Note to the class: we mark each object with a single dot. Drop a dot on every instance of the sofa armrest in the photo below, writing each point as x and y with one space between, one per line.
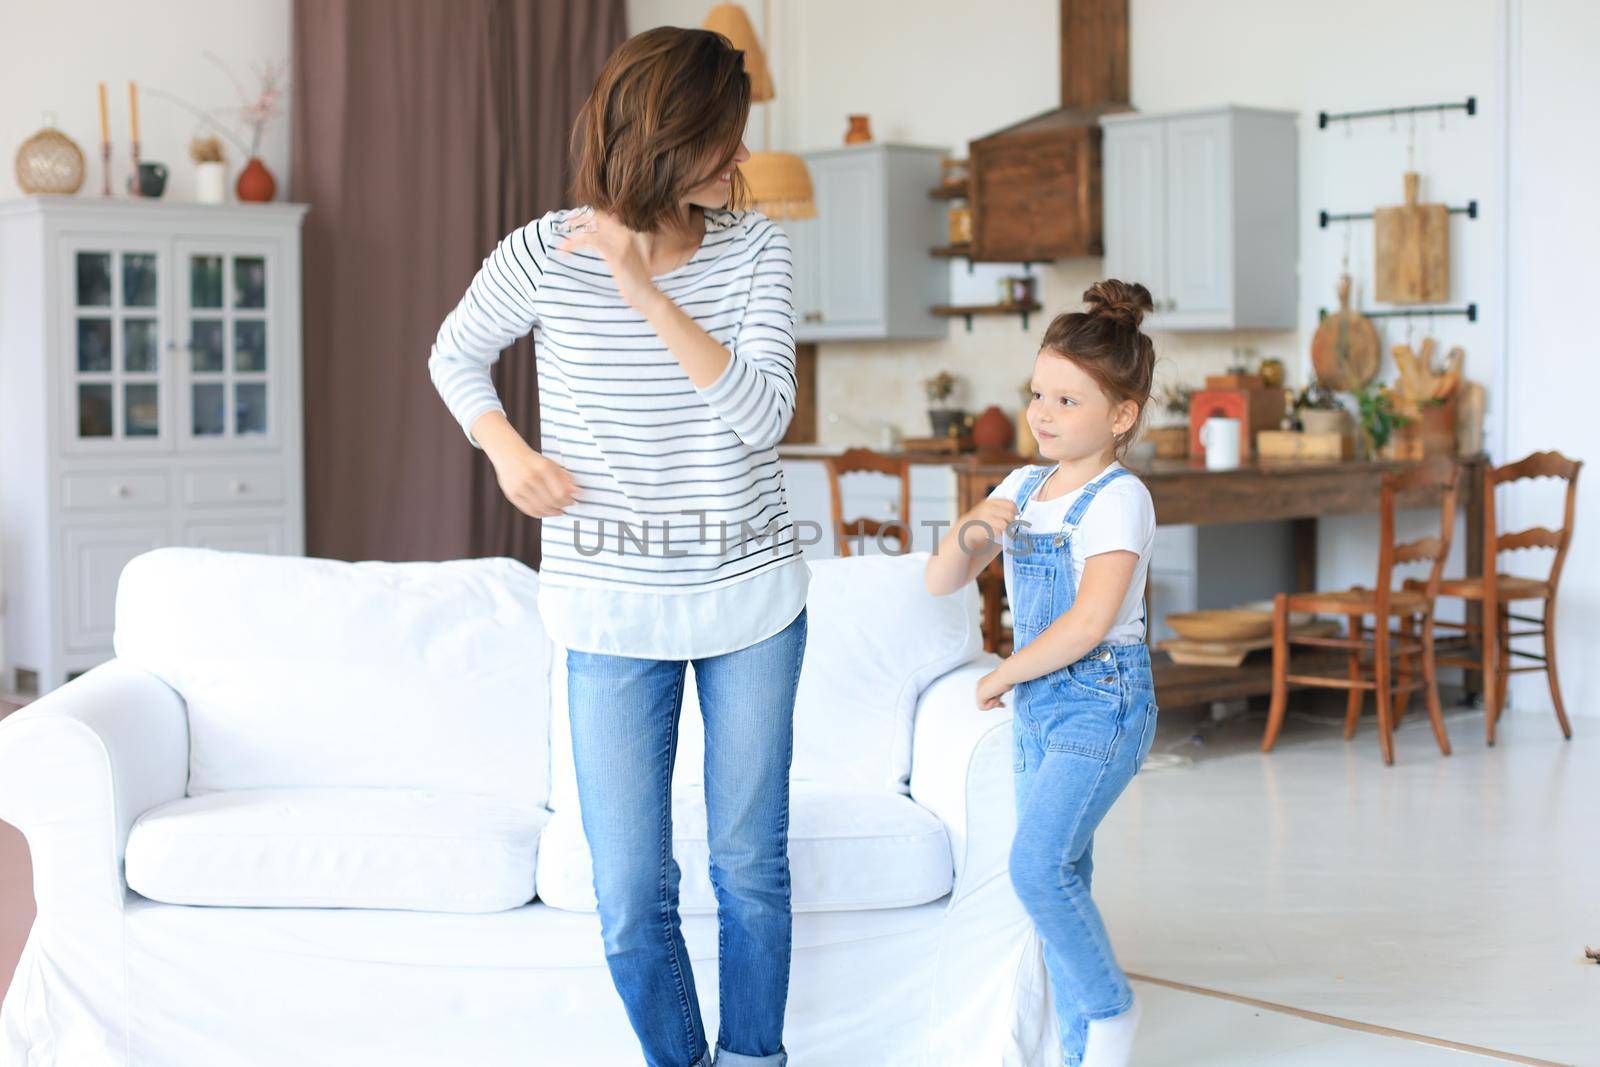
78 766
961 760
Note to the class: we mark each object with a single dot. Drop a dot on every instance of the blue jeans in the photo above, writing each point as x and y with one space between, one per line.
624 713
1080 733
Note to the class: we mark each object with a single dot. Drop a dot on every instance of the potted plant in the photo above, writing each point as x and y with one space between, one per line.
1379 419
210 170
1172 440
1317 409
947 421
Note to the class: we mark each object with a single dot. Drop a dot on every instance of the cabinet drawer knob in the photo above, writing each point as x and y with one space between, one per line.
119 490
238 486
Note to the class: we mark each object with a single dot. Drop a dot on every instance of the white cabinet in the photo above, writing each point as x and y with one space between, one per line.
149 395
1201 208
862 266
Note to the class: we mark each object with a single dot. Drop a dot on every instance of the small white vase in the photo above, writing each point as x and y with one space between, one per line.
211 183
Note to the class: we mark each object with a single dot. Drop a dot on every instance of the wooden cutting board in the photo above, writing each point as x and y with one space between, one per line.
1413 250
1344 350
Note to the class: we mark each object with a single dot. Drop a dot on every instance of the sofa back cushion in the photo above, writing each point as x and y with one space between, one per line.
875 640
317 672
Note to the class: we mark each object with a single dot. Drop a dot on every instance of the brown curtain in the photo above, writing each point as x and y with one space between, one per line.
423 133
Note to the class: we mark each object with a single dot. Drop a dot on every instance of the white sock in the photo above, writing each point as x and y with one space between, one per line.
1110 1041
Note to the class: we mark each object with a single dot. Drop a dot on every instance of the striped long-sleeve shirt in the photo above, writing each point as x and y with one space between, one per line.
679 544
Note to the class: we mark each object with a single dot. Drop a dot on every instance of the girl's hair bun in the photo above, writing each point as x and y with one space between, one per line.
1121 302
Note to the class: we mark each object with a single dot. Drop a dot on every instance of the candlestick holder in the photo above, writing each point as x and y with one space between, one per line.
133 182
105 168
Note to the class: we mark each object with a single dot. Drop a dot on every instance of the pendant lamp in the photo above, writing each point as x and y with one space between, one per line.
780 184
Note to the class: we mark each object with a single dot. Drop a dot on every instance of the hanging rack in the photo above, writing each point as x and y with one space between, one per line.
1324 118
1470 312
1324 217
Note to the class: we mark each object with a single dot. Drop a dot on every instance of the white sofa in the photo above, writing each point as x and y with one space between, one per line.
302 818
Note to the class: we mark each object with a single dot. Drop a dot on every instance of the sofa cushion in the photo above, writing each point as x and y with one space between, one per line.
319 673
418 849
875 639
850 849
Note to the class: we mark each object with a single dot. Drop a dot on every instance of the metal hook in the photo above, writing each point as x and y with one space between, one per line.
1347 128
1411 143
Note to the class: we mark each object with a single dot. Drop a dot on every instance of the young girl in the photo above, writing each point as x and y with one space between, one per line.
1084 713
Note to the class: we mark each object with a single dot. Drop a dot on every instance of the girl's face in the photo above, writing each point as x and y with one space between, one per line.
1070 415
714 191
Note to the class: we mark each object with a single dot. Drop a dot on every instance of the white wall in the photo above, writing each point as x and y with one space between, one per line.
1553 374
53 55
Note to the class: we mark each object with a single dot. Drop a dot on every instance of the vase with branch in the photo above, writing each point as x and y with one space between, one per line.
254 114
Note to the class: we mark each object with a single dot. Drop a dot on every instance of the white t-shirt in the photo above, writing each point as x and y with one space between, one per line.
1121 517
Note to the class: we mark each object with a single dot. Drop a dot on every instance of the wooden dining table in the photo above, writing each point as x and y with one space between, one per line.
1185 492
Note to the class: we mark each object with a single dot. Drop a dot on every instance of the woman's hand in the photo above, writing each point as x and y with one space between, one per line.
990 689
535 485
618 246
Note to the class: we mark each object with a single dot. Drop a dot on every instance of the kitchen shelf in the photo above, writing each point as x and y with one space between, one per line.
966 311
964 251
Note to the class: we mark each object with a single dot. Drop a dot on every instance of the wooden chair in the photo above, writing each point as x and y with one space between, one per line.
1412 606
898 527
1495 634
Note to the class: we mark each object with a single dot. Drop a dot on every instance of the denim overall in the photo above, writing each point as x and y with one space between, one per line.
1081 733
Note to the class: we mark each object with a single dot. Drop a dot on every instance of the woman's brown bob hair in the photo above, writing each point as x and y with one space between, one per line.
1107 343
667 113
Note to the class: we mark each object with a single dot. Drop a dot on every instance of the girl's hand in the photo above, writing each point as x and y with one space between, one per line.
990 690
617 245
996 513
536 485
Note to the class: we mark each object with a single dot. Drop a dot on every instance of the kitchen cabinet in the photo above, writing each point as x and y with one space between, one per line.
1202 208
149 395
862 268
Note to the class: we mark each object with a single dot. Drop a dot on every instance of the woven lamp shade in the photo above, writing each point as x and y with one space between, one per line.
731 21
780 185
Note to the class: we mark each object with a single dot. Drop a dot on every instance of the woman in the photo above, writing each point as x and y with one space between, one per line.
663 329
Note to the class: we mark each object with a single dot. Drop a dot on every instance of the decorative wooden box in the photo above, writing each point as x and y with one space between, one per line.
1256 409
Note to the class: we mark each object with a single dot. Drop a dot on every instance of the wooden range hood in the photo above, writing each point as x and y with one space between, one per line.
1035 186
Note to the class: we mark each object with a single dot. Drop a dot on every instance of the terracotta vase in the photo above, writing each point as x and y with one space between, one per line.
860 131
256 184
992 432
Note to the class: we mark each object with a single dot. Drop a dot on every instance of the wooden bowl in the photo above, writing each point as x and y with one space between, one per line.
1230 624
1297 619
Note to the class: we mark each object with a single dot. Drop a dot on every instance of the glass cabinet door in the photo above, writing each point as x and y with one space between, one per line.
116 340
227 342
